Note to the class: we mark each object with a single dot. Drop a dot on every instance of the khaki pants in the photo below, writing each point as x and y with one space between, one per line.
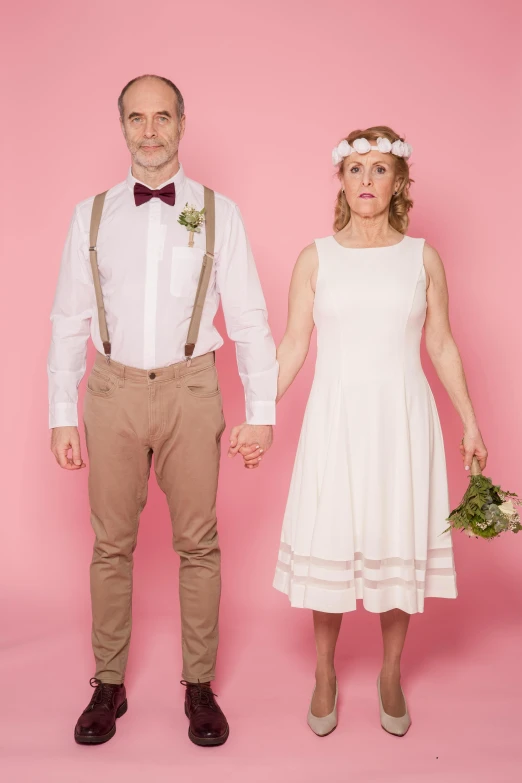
174 414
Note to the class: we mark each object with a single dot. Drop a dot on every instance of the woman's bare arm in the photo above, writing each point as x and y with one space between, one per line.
445 356
295 344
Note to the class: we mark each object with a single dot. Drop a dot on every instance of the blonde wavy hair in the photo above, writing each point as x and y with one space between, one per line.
400 204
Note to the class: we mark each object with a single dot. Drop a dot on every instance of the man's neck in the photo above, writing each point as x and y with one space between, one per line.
153 177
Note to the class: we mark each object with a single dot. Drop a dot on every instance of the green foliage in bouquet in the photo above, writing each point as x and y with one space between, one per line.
486 510
192 218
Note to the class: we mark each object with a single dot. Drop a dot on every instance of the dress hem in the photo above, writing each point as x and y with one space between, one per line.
411 601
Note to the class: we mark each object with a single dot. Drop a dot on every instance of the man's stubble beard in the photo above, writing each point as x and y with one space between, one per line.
169 153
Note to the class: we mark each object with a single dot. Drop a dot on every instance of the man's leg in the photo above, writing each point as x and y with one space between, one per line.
187 467
118 480
116 417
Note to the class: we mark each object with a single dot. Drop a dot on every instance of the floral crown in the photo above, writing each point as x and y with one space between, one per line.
399 148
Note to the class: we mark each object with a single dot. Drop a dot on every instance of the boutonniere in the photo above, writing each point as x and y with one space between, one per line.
192 219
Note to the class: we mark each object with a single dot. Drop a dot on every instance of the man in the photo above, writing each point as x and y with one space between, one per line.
136 284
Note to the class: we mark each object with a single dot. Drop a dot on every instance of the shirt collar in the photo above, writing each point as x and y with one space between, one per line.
178 179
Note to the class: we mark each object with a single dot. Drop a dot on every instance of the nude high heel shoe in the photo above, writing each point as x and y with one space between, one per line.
397 726
324 726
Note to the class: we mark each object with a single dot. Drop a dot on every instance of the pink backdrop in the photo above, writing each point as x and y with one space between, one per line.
269 88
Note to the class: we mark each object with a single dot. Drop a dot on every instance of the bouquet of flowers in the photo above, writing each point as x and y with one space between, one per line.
486 511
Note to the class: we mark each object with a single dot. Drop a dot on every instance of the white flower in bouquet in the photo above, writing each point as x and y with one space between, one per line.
508 508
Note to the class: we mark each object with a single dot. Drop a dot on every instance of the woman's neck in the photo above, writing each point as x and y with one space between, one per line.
373 231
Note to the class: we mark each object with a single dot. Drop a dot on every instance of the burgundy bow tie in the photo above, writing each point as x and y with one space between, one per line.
142 194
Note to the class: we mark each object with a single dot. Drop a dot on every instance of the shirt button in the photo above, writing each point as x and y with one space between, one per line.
152 375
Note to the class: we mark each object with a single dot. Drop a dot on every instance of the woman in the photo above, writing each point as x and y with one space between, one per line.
368 501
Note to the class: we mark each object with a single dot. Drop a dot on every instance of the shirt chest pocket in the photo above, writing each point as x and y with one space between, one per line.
185 270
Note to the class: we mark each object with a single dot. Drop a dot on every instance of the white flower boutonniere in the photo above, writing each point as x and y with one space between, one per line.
192 219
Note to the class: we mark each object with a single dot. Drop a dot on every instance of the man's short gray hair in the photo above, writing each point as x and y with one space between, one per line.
179 96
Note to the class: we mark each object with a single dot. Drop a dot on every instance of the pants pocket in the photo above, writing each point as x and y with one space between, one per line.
203 383
101 384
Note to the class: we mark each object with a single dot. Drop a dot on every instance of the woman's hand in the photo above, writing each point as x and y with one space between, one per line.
251 441
471 446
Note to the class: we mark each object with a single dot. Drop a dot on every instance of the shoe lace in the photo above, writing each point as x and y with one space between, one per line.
200 695
103 693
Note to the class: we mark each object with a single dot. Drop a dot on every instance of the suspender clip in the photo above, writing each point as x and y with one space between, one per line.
189 350
107 349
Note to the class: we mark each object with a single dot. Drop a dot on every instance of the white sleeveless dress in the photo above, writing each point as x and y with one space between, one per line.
368 500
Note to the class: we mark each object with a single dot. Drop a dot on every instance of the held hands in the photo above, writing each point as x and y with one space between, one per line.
63 440
471 446
252 441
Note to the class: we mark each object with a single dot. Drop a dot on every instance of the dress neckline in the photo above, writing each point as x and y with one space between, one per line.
382 247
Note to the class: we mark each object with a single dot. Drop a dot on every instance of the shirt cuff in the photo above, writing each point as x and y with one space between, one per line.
261 412
63 414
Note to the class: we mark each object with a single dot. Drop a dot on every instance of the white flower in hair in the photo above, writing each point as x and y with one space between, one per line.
384 145
361 146
341 151
401 148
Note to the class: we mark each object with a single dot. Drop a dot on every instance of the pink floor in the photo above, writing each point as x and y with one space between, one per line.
463 689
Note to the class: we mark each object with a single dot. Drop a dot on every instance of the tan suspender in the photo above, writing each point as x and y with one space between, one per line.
97 209
204 277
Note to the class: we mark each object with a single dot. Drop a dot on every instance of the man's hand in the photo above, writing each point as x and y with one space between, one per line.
252 441
63 440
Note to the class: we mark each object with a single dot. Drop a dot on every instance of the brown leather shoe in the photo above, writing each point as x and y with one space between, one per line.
208 725
97 723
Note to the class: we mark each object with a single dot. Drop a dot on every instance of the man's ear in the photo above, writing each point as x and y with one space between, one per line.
182 124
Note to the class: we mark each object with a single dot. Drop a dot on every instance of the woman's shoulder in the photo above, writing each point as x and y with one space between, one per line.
430 255
323 241
422 246
432 262
308 257
419 241
321 247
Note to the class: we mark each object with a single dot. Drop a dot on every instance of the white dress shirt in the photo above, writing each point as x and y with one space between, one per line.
149 278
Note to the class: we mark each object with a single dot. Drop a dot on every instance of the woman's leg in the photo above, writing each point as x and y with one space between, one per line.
394 625
326 630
